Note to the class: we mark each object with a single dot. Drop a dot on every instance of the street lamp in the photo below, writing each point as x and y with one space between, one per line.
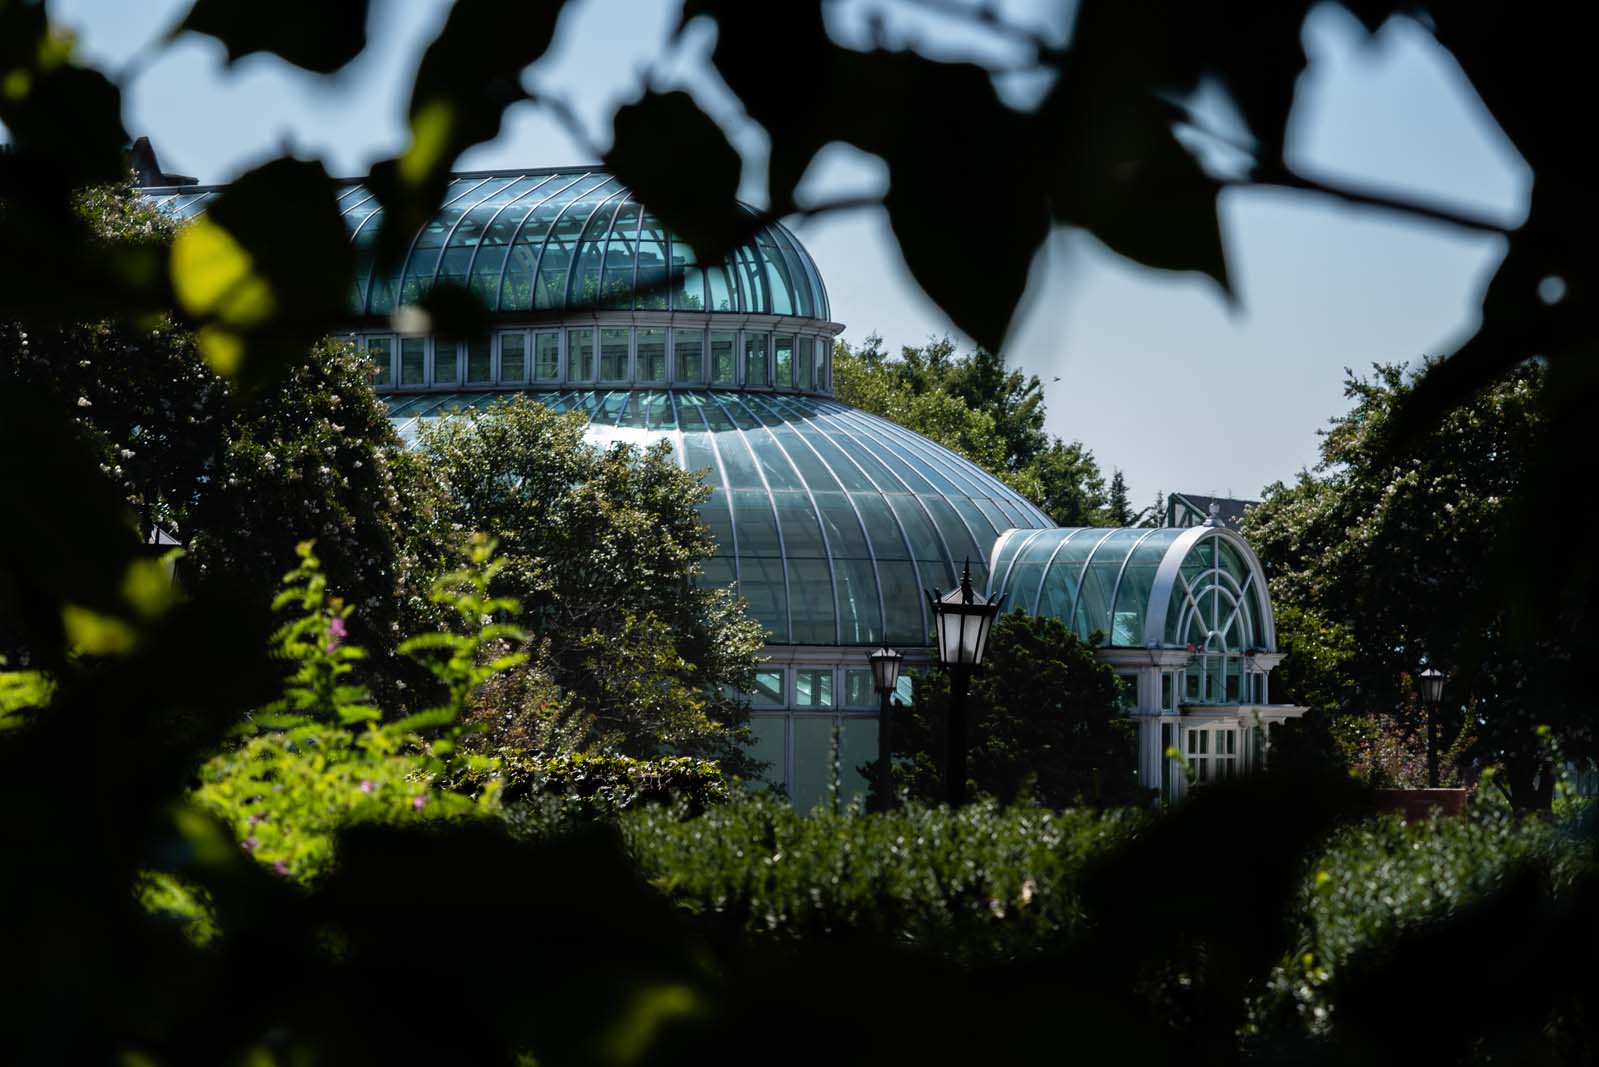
885 676
962 619
1430 685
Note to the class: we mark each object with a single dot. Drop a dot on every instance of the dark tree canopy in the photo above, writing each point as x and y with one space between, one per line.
1046 723
1382 563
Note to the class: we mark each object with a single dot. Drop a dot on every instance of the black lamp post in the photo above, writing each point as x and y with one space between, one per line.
1430 685
885 676
962 619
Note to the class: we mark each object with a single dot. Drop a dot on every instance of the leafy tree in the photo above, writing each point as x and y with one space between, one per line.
238 479
1045 718
975 406
602 548
1379 564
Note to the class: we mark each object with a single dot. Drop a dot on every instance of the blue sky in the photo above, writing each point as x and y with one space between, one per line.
1154 372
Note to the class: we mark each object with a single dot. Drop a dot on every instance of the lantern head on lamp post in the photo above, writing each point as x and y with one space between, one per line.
1430 687
962 619
885 663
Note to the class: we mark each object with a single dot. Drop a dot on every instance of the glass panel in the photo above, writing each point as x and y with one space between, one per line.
616 281
723 368
580 355
783 361
688 281
805 372
755 359
446 361
613 354
859 692
761 585
813 688
1166 691
480 360
768 690
652 355
380 350
777 281
547 356
770 733
688 346
813 761
723 295
413 360
513 357
811 602
857 752
652 287
859 616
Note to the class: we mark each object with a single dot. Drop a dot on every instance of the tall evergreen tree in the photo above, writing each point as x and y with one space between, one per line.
1118 511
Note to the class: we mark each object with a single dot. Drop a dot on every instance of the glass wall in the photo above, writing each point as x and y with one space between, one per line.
608 355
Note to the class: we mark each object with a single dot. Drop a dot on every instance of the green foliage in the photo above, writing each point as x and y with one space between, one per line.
977 407
1161 969
1380 878
1379 564
321 758
238 479
601 548
1045 723
588 785
984 882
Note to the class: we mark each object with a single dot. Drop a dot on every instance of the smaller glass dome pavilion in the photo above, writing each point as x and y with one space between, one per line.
1182 614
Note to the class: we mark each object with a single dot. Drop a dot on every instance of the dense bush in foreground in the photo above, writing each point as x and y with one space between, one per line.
985 881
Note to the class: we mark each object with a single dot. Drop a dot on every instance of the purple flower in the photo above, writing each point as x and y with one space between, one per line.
337 632
419 802
249 843
280 867
367 785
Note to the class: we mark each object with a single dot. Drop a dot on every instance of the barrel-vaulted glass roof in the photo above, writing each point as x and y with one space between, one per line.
552 240
1199 588
831 522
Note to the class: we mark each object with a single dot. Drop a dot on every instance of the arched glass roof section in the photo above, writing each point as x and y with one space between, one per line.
1198 588
830 522
561 240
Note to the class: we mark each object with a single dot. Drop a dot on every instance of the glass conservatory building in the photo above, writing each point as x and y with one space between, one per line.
830 522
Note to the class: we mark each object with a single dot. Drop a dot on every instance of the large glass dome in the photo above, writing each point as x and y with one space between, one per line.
553 240
831 522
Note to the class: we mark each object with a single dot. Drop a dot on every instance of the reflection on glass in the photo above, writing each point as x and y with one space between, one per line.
723 369
813 688
768 690
689 348
513 356
547 357
755 359
783 361
446 361
380 350
580 355
413 360
613 354
480 360
652 355
859 691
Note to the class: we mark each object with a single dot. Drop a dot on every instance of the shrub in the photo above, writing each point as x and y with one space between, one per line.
981 882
